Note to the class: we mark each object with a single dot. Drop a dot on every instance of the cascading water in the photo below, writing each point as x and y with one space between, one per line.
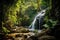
40 15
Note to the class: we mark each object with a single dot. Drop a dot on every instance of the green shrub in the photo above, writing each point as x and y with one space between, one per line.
5 30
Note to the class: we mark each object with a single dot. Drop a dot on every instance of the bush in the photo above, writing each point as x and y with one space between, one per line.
5 30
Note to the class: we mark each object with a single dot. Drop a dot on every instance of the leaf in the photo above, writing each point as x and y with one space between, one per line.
45 25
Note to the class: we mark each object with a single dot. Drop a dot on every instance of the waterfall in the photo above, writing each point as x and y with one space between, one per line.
40 15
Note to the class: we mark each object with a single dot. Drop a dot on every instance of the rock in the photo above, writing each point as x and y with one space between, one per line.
46 37
33 38
21 30
18 35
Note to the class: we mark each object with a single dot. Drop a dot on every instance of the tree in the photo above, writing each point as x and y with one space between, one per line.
10 9
38 4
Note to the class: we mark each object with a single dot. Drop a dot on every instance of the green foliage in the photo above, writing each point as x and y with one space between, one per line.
5 30
22 12
50 23
35 31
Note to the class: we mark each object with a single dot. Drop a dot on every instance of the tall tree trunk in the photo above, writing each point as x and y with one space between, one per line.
55 9
1 15
55 13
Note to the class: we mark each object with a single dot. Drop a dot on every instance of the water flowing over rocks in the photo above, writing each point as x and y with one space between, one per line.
40 17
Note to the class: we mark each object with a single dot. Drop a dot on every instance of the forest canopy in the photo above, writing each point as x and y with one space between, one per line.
22 12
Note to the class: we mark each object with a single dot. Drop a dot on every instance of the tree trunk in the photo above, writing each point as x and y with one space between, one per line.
55 9
55 14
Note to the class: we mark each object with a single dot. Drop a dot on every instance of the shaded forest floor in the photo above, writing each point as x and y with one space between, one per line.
25 34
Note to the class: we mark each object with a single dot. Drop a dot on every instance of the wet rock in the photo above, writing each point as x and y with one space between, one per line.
46 37
25 36
33 38
18 35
